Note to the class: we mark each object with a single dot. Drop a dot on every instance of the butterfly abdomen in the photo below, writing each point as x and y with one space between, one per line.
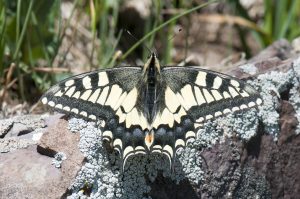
151 87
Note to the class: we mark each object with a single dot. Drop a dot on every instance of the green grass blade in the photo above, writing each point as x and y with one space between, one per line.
292 15
18 20
20 39
63 31
268 18
112 59
2 42
19 43
163 25
279 18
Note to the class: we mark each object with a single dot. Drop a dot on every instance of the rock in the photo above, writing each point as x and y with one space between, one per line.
58 139
288 123
11 144
276 163
163 188
5 126
225 172
280 50
25 124
18 129
26 174
273 58
20 132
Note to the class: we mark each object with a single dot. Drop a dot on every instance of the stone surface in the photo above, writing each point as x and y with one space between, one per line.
20 132
5 126
11 144
278 161
24 124
58 139
26 174
279 50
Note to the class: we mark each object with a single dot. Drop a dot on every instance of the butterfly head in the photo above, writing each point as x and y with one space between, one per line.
152 63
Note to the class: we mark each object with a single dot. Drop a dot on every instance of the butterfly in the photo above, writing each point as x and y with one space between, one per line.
151 108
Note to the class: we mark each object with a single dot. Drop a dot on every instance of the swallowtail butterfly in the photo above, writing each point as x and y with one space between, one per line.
150 109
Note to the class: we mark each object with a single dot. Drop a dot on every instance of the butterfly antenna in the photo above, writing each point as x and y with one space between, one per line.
174 35
136 39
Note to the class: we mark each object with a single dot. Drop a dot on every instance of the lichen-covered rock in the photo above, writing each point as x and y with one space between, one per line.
26 174
14 143
216 164
5 125
20 132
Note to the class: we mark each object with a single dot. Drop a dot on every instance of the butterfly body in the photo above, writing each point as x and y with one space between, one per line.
151 109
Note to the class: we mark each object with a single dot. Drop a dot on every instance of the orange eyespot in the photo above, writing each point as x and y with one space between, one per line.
149 138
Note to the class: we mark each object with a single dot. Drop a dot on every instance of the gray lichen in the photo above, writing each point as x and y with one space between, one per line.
243 124
249 68
294 97
14 143
252 185
58 159
271 85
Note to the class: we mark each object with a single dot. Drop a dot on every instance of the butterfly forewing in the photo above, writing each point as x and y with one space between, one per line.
94 95
206 94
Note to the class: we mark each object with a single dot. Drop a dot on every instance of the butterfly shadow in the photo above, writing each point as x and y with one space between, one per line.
155 172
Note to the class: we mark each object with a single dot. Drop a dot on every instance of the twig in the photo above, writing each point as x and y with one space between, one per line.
232 20
51 70
8 82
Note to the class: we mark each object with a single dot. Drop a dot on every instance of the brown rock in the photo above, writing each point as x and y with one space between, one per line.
273 58
288 123
223 168
280 49
26 174
57 138
278 162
